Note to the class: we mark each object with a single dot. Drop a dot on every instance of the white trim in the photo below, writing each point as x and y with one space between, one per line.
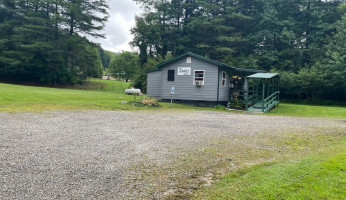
194 76
222 79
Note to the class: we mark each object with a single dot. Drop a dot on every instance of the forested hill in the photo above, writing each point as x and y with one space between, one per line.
303 40
42 40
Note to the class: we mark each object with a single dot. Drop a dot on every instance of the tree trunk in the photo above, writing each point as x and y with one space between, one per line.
56 21
71 26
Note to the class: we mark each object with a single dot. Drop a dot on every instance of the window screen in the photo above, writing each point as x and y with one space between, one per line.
170 76
199 77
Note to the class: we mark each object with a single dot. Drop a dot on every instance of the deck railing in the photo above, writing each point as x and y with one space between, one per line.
250 98
270 100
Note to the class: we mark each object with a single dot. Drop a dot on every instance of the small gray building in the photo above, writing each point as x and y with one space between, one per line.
198 80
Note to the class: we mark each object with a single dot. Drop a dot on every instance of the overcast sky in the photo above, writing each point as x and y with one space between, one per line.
117 31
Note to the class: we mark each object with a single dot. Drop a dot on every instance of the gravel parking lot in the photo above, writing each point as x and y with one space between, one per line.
104 154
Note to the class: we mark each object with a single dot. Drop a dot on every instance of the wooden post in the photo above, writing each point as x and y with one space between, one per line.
278 97
257 84
247 94
253 90
268 81
270 88
263 93
274 86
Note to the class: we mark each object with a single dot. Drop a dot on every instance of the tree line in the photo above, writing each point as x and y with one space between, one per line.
303 40
44 41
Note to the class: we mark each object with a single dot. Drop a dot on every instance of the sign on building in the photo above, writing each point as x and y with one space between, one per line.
184 70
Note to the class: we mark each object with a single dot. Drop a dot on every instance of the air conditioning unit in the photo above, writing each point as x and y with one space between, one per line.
199 83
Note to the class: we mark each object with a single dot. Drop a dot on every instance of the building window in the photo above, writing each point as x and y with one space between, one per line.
170 76
198 78
223 83
188 59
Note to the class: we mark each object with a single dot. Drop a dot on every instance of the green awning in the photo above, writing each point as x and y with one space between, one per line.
263 75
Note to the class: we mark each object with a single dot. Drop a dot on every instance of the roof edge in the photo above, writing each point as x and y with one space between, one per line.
250 70
192 55
264 75
217 63
152 70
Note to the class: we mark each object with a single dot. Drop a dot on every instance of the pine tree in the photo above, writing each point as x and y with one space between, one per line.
35 45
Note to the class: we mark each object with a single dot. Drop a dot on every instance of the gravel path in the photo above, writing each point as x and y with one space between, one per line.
90 154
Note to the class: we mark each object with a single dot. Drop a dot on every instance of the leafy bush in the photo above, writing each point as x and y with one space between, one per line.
237 105
220 107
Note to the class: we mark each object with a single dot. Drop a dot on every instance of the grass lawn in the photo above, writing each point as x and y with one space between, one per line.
95 94
101 94
319 176
287 109
108 95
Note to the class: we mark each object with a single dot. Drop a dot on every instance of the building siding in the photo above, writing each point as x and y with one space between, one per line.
211 92
154 83
183 84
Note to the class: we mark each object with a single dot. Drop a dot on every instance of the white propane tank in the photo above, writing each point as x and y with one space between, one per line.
133 91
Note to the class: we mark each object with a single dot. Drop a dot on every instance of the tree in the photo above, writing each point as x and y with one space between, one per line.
334 68
124 65
80 17
106 57
140 78
42 40
295 37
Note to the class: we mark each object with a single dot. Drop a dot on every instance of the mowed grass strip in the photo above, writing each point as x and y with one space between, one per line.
286 109
319 176
106 95
94 94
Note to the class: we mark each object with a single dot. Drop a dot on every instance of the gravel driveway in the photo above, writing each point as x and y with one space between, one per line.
97 154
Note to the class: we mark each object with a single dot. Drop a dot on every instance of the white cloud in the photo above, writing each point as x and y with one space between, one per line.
117 29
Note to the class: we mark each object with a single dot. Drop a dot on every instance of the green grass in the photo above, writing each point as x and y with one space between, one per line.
94 94
108 95
297 110
319 176
103 95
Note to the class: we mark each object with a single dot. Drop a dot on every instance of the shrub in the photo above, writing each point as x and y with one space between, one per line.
237 105
220 107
